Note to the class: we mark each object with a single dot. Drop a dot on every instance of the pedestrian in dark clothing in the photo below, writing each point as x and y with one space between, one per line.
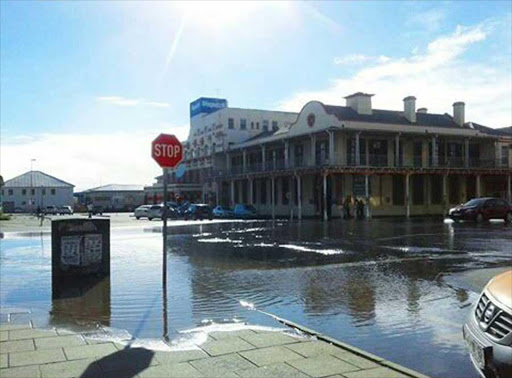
346 208
360 208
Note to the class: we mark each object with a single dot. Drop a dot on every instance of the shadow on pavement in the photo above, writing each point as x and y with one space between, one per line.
127 362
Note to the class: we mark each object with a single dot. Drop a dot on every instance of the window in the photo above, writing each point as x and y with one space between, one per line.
9 192
23 192
265 125
32 191
231 123
274 125
44 192
252 125
243 124
52 191
257 125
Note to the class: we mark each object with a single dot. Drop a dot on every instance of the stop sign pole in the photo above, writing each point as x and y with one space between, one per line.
167 151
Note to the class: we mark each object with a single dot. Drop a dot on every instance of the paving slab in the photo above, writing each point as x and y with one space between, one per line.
16 346
127 359
275 370
262 340
10 327
178 370
322 366
356 360
222 366
31 334
89 351
225 346
59 341
380 372
4 361
70 369
36 357
219 335
180 356
271 355
314 348
21 372
4 335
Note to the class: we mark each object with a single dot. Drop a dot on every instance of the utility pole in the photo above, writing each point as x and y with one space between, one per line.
31 186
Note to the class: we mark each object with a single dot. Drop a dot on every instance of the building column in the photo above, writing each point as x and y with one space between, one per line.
251 191
466 153
274 159
286 153
445 193
313 150
478 186
497 149
367 195
367 152
509 188
244 160
291 196
332 158
272 196
232 196
435 157
299 197
228 161
263 158
358 149
324 195
407 197
397 150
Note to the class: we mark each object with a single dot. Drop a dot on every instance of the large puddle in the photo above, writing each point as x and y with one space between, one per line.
377 285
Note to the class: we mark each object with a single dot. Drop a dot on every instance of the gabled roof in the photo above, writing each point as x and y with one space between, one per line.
346 113
36 179
116 188
504 131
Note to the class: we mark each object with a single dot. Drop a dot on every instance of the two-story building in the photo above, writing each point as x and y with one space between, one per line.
407 162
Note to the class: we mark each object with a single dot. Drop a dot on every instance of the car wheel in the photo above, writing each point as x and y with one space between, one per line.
150 219
508 218
479 218
137 217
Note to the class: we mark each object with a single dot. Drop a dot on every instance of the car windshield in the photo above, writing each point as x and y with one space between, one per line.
474 202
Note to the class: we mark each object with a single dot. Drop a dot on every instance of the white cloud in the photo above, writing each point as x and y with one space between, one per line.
438 76
430 20
123 101
360 58
87 160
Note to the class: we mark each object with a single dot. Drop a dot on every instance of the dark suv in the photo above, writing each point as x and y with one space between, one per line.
198 211
480 209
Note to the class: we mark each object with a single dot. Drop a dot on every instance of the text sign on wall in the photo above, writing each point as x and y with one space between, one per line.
207 105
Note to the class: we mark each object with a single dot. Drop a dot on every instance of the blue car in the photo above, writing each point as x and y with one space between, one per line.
223 212
245 211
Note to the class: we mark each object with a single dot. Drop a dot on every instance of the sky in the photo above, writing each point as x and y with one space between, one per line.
86 86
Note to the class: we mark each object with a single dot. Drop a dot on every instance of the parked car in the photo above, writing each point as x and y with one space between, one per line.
223 212
245 211
142 211
480 209
157 211
198 211
488 331
97 210
51 210
65 210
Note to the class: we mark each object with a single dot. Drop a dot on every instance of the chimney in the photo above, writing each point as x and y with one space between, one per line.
360 102
410 108
422 110
458 113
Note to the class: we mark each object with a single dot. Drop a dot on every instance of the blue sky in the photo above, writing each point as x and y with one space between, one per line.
78 77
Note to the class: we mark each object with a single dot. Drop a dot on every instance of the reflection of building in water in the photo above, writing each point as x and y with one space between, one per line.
361 296
413 296
81 301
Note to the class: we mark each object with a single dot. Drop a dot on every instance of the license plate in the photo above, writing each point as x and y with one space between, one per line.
476 350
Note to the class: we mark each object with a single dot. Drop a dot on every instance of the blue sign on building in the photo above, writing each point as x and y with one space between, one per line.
207 105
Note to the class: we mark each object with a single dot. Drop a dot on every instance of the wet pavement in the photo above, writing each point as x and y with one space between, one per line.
395 288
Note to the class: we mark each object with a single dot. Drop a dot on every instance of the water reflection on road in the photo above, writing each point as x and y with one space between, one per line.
377 284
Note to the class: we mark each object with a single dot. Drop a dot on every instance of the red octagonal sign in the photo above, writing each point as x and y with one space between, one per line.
167 151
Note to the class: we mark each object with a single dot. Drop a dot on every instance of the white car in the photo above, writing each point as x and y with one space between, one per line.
65 210
142 211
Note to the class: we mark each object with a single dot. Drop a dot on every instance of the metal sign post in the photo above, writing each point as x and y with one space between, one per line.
164 230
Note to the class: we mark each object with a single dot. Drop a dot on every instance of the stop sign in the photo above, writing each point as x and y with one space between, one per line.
167 151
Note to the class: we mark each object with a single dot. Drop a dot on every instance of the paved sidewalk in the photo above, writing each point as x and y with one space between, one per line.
29 352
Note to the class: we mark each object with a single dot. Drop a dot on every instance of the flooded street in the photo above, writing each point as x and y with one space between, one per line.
392 287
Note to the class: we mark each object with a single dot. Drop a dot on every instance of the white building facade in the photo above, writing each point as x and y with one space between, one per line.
35 189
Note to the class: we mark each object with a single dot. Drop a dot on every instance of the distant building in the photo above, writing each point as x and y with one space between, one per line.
113 197
35 189
214 129
397 162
